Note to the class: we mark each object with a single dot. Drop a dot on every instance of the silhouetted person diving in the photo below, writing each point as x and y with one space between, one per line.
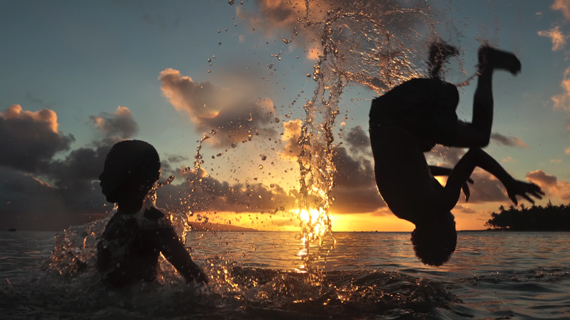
128 249
411 119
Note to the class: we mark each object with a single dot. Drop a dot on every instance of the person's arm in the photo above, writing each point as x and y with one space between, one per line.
443 171
175 252
476 157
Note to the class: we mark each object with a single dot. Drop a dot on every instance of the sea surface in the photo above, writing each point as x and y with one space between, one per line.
260 275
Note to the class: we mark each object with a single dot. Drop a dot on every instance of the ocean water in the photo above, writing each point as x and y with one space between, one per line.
259 275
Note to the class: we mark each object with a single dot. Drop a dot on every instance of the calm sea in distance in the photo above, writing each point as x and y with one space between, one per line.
255 275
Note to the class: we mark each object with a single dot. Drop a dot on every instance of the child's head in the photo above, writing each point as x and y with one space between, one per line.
434 240
131 169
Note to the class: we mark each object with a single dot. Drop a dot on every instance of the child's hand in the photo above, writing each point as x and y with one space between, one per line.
465 189
523 189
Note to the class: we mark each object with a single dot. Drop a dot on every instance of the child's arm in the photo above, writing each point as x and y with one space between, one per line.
175 252
443 171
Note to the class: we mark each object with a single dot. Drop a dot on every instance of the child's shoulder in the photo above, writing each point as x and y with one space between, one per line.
153 213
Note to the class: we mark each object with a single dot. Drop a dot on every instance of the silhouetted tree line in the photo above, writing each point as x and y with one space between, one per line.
535 218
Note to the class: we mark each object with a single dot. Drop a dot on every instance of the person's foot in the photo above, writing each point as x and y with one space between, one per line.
491 58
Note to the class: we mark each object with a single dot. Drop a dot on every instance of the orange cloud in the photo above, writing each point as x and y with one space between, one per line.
550 184
556 36
30 138
291 134
119 124
46 116
562 6
562 101
231 113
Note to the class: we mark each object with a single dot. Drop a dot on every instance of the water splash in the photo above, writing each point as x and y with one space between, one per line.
361 43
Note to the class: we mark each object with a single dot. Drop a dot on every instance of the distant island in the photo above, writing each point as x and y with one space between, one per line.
535 218
208 226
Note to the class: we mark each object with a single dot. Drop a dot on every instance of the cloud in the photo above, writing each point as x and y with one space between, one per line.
289 17
444 156
463 209
508 141
556 36
562 6
77 174
30 139
362 50
355 188
29 203
232 114
73 191
117 125
509 159
358 141
201 192
550 184
486 188
291 135
562 100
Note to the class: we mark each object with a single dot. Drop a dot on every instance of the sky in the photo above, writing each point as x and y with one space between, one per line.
77 77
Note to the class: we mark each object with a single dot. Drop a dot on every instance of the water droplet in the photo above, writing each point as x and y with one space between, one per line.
231 2
308 75
263 157
260 167
219 31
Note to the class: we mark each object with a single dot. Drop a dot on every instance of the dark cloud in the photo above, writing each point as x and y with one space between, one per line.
234 116
29 203
486 188
30 139
355 188
508 141
201 192
78 173
117 125
444 156
358 141
73 192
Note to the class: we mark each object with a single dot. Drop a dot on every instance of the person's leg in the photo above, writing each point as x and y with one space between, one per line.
476 157
478 132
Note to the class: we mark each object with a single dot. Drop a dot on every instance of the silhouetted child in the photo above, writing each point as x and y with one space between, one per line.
128 249
408 121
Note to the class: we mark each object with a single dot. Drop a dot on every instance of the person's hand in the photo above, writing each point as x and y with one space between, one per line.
465 189
523 189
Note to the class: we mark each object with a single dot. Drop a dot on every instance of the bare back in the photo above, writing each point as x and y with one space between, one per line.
402 173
